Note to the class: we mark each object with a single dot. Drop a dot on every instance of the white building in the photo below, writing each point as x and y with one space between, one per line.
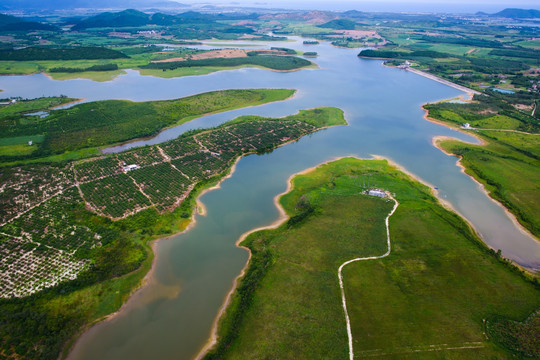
377 192
130 167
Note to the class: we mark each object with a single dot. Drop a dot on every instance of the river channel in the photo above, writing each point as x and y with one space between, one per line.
171 317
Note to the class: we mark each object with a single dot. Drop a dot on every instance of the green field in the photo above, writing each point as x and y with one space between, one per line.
427 300
101 123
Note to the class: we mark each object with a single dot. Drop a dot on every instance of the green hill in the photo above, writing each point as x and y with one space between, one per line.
518 14
12 23
131 17
339 24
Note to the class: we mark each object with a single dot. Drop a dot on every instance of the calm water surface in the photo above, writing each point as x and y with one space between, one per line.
171 318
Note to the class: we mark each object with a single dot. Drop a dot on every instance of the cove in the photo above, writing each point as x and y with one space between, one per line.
171 317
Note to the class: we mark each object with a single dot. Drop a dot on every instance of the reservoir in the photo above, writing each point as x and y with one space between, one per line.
172 316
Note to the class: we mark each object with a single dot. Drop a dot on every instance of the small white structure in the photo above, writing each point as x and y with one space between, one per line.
30 143
467 126
130 167
377 192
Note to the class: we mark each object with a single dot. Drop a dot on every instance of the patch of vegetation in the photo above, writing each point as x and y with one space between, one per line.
48 53
268 61
104 67
339 24
428 298
520 337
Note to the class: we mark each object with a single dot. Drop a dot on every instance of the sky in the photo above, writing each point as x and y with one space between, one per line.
456 6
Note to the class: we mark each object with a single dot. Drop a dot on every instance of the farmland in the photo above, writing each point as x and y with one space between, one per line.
69 231
94 124
428 298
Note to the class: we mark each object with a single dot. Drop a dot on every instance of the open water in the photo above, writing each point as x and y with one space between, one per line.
171 317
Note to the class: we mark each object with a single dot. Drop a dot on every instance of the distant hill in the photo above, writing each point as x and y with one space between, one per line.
12 23
519 14
339 24
354 14
133 17
86 4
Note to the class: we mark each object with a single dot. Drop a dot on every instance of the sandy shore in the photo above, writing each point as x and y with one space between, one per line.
283 218
436 142
451 126
68 103
277 223
470 92
199 210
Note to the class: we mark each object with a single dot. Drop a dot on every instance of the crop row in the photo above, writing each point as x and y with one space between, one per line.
200 166
25 268
114 196
162 183
54 224
23 187
180 147
94 169
142 156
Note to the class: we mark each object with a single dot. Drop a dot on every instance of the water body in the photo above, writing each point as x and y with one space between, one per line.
172 316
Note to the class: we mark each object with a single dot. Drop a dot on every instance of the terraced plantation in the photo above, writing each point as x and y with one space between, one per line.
44 208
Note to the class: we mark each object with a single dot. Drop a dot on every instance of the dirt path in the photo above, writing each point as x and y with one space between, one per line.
507 130
340 276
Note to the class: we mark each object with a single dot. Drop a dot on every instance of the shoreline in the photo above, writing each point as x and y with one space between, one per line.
104 150
450 126
199 209
436 143
68 103
465 89
212 341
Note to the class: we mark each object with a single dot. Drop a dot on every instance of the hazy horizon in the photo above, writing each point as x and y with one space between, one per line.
457 6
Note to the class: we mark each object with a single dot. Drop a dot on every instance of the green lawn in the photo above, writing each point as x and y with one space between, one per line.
429 296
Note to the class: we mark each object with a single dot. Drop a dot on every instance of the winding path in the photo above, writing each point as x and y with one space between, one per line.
340 276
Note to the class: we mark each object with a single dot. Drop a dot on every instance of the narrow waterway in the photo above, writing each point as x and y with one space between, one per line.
171 317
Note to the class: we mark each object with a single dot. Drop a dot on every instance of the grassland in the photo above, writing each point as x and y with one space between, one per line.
100 123
89 224
508 168
429 299
507 165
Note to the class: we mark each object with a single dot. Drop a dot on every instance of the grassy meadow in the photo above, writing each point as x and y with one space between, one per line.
429 299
